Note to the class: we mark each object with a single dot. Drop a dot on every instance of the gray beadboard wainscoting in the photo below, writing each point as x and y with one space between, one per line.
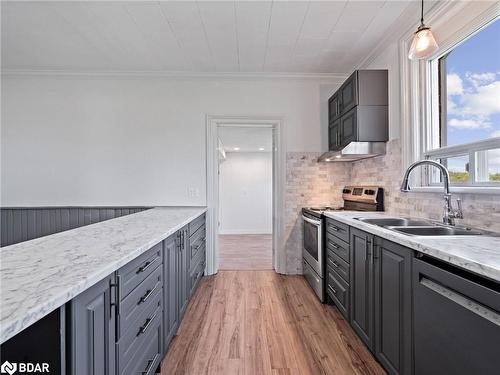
26 223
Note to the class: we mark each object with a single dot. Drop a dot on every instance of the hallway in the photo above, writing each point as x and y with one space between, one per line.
245 252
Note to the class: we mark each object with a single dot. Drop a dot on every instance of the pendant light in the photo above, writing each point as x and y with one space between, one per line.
423 44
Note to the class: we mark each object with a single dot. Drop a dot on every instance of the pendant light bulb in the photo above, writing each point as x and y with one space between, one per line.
424 44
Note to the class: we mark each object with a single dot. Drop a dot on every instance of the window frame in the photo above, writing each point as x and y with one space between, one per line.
438 126
421 97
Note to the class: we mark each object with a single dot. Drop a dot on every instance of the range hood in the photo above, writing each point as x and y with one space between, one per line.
355 151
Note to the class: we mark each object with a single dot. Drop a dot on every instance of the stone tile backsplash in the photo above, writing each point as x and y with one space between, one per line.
309 183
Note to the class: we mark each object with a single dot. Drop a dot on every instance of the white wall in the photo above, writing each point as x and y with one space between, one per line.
245 193
93 140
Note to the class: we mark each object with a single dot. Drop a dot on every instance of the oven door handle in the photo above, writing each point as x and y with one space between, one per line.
315 222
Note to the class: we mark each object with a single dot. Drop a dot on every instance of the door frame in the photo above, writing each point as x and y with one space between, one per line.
212 243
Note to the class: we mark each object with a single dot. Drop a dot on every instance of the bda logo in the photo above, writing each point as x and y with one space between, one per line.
8 368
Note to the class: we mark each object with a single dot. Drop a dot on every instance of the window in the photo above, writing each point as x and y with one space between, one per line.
467 138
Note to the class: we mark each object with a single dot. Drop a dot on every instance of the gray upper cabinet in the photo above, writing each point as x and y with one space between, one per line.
393 335
93 331
334 107
362 318
348 93
348 127
334 135
361 104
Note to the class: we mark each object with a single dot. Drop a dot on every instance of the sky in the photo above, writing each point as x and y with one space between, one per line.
473 85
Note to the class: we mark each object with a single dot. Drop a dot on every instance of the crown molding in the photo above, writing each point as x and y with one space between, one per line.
330 77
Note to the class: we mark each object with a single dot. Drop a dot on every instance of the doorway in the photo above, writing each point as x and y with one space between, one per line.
244 194
245 197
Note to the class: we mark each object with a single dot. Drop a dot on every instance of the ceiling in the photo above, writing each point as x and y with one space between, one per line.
250 139
195 36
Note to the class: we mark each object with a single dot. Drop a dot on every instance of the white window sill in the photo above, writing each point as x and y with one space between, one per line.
492 190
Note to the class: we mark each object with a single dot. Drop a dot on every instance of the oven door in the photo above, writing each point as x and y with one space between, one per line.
313 244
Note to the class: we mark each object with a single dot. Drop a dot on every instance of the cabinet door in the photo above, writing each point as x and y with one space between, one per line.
333 108
334 135
170 289
348 127
393 306
362 285
93 331
183 270
349 93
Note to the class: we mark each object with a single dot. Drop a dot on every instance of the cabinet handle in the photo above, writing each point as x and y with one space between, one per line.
145 266
146 325
202 242
150 363
336 229
148 294
334 245
335 264
370 251
462 300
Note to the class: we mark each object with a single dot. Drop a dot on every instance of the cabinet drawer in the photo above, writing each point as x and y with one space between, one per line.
338 229
138 333
197 242
196 224
339 265
136 302
338 290
132 274
338 246
148 357
197 274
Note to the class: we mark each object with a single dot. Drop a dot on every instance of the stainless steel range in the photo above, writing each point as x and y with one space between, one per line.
356 198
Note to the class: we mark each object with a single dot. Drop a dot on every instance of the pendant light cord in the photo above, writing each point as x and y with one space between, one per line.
422 14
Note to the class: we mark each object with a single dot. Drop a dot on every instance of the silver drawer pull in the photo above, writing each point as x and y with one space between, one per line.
145 266
336 229
148 294
334 245
200 245
146 325
335 264
150 363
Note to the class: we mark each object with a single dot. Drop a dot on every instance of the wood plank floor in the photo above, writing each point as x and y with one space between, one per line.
259 322
245 252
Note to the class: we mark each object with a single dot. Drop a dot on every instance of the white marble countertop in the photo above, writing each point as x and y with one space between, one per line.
479 254
38 276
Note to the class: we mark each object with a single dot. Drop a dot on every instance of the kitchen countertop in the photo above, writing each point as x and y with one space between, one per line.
39 276
479 254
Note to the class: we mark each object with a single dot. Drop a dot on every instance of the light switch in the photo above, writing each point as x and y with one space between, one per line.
193 192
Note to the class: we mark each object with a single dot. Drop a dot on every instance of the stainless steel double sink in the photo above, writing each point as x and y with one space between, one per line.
421 227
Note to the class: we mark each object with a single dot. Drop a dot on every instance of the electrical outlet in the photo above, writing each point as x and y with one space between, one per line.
193 192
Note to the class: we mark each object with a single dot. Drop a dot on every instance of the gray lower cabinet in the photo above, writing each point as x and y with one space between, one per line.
184 279
393 336
93 331
171 288
362 318
124 324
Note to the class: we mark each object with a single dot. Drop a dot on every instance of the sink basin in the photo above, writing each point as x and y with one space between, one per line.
436 231
395 222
